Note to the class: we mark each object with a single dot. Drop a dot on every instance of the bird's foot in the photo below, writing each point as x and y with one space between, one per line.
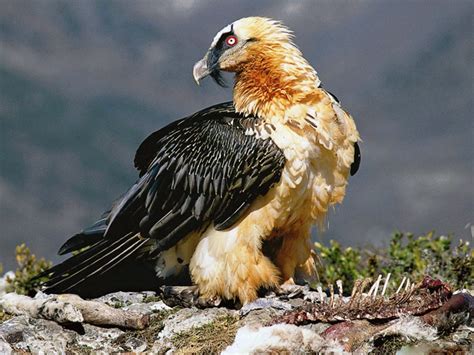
291 291
187 296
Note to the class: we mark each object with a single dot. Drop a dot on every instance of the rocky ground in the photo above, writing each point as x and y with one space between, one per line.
41 325
220 329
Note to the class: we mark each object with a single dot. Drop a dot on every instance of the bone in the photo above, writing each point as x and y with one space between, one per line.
321 295
377 284
386 284
68 308
331 293
401 284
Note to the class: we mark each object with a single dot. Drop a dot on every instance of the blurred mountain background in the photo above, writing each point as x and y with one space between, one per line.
82 83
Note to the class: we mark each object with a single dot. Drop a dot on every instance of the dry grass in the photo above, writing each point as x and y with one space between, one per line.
4 316
210 338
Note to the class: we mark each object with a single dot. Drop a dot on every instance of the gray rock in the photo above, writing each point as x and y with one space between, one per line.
45 337
263 303
135 345
12 330
148 307
122 299
5 348
99 339
24 333
260 317
163 347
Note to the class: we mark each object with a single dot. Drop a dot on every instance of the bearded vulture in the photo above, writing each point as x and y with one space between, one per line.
226 197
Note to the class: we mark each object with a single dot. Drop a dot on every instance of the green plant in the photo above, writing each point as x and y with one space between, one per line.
339 263
28 267
406 256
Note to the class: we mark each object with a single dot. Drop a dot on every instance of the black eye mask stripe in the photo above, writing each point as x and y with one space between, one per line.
214 56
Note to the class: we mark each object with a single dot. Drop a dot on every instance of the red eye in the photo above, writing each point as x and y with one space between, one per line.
231 41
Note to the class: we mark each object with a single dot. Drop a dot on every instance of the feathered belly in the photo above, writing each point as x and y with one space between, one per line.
309 184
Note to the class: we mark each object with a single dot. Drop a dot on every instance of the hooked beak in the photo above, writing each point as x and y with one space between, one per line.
200 70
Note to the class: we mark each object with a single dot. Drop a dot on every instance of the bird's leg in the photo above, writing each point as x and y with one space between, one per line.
187 296
308 272
231 265
294 258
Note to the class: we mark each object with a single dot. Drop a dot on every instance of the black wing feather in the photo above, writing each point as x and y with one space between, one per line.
357 157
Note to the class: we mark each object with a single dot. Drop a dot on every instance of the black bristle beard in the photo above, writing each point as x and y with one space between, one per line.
218 78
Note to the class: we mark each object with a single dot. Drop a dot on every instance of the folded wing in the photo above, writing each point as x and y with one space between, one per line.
196 171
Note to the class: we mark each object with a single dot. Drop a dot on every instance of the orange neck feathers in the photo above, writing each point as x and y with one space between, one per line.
275 77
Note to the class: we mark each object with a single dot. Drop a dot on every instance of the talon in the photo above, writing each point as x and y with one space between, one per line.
184 296
204 302
290 291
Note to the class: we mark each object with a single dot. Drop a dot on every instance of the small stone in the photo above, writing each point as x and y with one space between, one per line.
135 345
162 347
46 337
99 339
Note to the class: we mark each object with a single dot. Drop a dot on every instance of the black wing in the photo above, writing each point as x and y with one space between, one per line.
357 157
196 171
200 170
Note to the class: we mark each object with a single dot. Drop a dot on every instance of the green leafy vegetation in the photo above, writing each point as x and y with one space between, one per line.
4 316
149 299
28 267
407 255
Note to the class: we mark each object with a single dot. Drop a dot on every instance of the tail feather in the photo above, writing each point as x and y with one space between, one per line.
71 262
87 237
110 264
75 273
81 240
78 270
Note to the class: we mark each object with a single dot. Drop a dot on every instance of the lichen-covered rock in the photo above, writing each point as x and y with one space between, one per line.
122 299
98 339
36 335
12 329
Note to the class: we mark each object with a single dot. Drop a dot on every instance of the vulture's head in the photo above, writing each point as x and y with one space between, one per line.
242 43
